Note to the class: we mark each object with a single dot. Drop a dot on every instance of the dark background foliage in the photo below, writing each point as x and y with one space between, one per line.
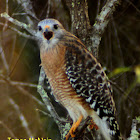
119 54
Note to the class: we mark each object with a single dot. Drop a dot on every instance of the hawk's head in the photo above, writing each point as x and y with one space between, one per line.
50 31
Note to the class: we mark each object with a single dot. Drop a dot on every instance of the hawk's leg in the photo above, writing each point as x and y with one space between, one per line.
74 127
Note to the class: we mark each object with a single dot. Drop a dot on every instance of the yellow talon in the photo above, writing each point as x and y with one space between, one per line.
74 127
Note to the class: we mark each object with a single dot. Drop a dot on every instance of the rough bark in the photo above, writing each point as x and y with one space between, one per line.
90 35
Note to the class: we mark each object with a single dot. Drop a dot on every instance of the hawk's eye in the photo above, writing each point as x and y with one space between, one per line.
39 28
55 26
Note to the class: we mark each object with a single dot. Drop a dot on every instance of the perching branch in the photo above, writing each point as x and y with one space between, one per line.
100 24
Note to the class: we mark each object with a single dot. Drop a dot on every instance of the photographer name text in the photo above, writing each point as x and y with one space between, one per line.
9 138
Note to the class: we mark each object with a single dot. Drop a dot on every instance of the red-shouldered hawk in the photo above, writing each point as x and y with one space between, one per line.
77 79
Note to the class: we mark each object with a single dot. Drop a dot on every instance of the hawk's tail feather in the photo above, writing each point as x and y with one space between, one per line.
108 127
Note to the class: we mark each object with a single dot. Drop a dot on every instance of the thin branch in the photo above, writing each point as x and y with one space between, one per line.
8 130
19 14
19 32
4 59
22 34
43 112
27 6
18 23
48 10
98 7
7 6
44 9
7 11
20 53
19 88
13 46
14 21
123 92
133 6
16 83
101 23
117 39
21 117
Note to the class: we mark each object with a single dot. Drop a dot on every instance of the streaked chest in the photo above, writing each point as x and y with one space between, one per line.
53 62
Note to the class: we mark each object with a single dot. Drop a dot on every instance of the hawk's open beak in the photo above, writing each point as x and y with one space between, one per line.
48 34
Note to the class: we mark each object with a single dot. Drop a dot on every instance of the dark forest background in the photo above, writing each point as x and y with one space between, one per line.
22 112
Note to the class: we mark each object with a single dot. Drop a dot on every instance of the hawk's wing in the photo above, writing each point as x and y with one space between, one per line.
88 79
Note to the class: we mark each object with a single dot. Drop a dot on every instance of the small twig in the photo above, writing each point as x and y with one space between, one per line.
19 88
19 14
18 23
23 91
133 6
117 38
43 112
129 89
21 117
21 51
44 9
13 46
98 7
109 60
122 91
8 130
19 32
22 34
14 21
15 83
48 10
27 6
7 11
2 54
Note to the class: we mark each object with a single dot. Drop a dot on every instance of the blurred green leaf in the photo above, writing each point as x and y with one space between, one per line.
119 71
137 71
138 119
